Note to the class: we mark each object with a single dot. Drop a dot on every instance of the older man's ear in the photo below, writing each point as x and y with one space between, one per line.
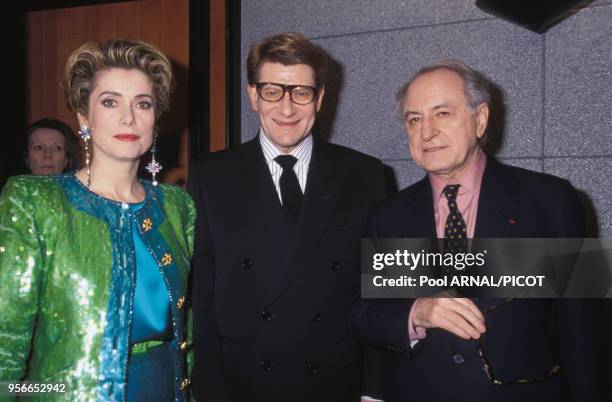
482 119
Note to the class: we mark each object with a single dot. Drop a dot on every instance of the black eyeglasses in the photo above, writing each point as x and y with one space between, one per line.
274 92
486 365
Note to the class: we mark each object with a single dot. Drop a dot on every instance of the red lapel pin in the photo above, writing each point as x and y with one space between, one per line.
512 220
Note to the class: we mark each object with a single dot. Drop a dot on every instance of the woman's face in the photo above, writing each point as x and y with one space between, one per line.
121 115
46 152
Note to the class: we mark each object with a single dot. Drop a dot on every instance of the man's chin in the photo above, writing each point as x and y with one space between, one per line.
435 168
288 141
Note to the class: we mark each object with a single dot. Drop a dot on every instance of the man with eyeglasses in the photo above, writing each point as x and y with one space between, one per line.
276 261
476 350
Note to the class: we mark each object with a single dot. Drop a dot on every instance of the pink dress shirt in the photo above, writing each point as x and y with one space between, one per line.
467 201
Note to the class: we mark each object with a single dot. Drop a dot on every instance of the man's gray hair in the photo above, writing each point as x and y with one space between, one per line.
475 84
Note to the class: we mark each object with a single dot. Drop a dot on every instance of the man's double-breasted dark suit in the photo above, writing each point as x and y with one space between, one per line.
271 297
525 339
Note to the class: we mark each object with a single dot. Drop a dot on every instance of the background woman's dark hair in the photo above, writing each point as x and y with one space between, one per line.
71 143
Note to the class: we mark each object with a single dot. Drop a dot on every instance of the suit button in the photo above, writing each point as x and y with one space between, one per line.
313 368
247 264
458 359
316 317
266 315
265 366
334 266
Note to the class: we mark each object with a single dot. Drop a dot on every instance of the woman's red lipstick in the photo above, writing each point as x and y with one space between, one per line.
126 137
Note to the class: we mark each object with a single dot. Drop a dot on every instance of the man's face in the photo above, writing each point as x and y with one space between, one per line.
285 123
443 131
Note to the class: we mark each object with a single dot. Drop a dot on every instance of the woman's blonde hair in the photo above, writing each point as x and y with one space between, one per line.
86 61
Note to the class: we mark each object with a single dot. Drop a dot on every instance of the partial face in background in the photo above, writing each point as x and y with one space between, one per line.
121 115
46 152
285 123
443 131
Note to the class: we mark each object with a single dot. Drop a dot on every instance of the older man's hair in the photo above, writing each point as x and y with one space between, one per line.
476 86
288 49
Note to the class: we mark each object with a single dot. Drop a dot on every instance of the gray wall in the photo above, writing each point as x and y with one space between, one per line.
556 87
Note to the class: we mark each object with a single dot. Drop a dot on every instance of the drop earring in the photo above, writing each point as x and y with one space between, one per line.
85 133
154 167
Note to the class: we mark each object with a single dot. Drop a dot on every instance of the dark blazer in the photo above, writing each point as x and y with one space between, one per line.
524 338
271 299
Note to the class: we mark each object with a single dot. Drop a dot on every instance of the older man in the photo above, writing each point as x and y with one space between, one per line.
461 349
276 262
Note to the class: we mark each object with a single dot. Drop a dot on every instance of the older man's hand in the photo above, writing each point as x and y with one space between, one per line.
459 316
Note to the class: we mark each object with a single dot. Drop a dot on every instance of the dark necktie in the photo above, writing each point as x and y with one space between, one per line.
291 193
455 231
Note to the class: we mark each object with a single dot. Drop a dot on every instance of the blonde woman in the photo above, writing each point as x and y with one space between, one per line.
94 263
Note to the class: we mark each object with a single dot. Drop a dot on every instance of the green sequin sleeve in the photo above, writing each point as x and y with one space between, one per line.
21 274
191 215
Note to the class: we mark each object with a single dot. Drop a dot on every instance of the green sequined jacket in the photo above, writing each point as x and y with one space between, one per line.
67 268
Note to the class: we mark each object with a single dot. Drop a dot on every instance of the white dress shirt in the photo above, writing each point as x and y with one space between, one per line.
303 153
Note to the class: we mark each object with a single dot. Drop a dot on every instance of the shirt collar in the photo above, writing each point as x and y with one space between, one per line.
469 181
302 152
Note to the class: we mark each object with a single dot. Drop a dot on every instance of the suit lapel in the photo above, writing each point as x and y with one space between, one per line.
420 220
265 212
497 210
320 199
498 203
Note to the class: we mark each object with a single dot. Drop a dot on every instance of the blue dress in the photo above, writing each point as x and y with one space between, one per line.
150 370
